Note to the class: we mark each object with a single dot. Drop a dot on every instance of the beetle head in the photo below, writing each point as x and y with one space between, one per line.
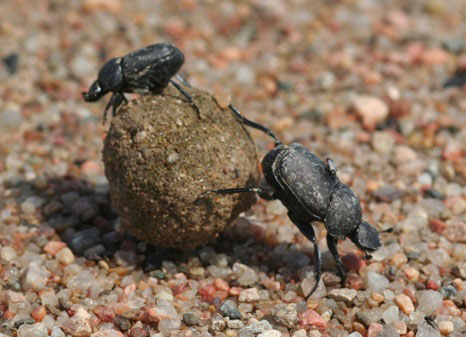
94 93
366 237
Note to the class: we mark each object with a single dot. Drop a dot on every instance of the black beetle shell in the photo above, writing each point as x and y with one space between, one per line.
152 67
111 76
301 180
344 212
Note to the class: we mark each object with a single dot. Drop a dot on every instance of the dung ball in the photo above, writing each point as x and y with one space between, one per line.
161 157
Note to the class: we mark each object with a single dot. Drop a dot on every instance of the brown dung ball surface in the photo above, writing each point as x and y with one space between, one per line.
160 156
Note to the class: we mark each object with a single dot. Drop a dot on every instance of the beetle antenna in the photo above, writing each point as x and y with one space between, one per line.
255 125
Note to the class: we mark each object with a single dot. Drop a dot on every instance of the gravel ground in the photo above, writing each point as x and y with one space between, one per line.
376 85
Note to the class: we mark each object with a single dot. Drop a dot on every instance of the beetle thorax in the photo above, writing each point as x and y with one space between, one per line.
111 76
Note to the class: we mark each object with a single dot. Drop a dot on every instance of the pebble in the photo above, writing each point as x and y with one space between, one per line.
313 319
229 309
32 330
371 109
217 323
400 327
249 295
374 330
270 333
425 330
391 314
446 327
8 254
65 256
285 314
382 142
429 301
255 329
235 324
375 282
404 303
246 275
166 325
52 247
10 119
84 208
343 294
77 327
84 239
35 277
191 319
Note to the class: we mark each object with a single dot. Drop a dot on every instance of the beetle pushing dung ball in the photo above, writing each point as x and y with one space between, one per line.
146 70
311 191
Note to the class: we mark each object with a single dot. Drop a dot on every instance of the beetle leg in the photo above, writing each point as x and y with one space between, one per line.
114 102
263 194
308 231
332 246
183 80
331 167
254 125
188 96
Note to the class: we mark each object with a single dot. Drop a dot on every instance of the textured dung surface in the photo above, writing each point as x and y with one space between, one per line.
160 156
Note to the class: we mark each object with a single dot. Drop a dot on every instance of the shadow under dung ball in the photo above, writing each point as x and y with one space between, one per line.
160 156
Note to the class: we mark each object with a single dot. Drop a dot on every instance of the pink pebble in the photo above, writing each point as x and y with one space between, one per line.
52 247
312 318
374 330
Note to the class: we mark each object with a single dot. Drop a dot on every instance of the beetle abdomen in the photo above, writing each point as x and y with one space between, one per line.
307 177
152 67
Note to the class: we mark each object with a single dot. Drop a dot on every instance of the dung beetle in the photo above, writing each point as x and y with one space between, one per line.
149 69
311 191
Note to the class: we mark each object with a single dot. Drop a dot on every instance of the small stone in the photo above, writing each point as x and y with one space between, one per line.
374 330
35 277
391 314
375 282
355 334
314 333
270 333
404 303
191 319
246 275
84 208
235 324
7 253
38 313
285 314
426 330
84 239
343 294
412 274
249 295
229 309
400 327
106 332
430 301
388 331
254 329
57 332
382 142
446 327
312 318
65 256
122 323
398 259
166 325
299 333
32 330
77 327
372 110
448 291
217 323
52 247
10 119
439 257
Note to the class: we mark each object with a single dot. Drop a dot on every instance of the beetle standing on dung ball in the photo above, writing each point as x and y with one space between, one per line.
149 69
311 191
